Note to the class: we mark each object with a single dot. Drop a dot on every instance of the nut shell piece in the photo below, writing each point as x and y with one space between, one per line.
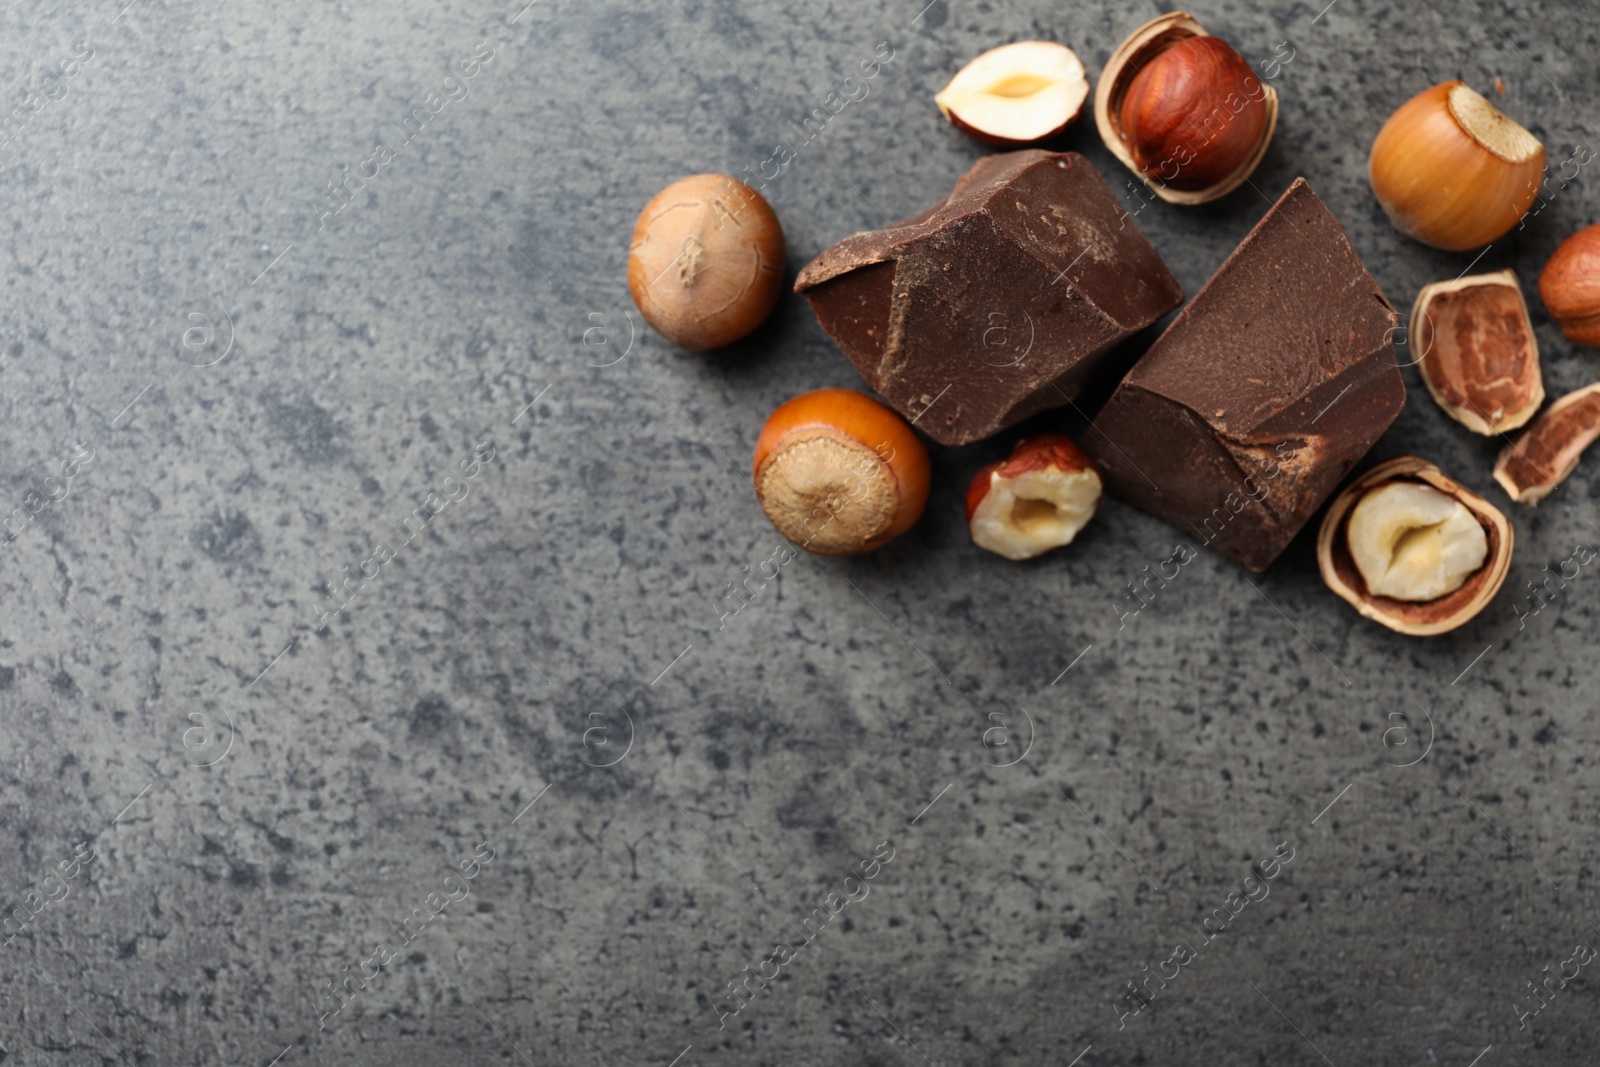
1422 618
1570 286
1138 49
1480 359
1548 451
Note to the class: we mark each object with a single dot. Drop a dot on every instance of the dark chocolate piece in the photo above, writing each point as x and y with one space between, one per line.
996 303
1262 394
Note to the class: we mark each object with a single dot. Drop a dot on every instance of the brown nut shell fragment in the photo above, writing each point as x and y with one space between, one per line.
1135 52
1480 359
1570 286
1417 618
1546 452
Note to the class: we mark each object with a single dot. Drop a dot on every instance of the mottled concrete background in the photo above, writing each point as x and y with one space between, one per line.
526 798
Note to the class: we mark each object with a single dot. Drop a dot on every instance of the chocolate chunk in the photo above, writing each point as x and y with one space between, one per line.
1263 392
1000 301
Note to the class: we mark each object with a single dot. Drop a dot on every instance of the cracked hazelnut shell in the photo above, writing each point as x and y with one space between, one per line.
1417 618
1176 97
1548 451
1480 358
706 263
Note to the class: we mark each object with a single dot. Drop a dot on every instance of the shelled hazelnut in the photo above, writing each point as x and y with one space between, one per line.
1184 110
1570 286
1017 95
1413 549
1036 500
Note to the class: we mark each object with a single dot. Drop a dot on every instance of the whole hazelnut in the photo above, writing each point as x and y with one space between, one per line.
1194 114
838 473
706 262
1570 286
1452 170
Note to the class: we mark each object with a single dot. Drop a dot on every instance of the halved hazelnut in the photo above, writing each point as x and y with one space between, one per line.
1036 500
1413 549
1546 452
1016 95
1193 124
1480 359
839 473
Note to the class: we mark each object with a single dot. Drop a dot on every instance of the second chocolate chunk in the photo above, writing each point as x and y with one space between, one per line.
996 303
1262 394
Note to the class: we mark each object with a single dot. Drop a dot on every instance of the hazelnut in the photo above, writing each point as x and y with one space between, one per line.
1016 95
1184 110
1036 500
1546 452
839 473
706 263
1170 99
1480 359
1452 171
1413 549
1570 286
1412 542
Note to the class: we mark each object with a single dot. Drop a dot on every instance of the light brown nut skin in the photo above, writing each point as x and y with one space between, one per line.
1420 618
1480 359
1549 450
1570 286
706 263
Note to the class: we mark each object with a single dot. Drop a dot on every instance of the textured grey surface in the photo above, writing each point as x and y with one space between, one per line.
248 806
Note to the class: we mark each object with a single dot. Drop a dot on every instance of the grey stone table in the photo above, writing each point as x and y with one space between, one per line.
299 294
